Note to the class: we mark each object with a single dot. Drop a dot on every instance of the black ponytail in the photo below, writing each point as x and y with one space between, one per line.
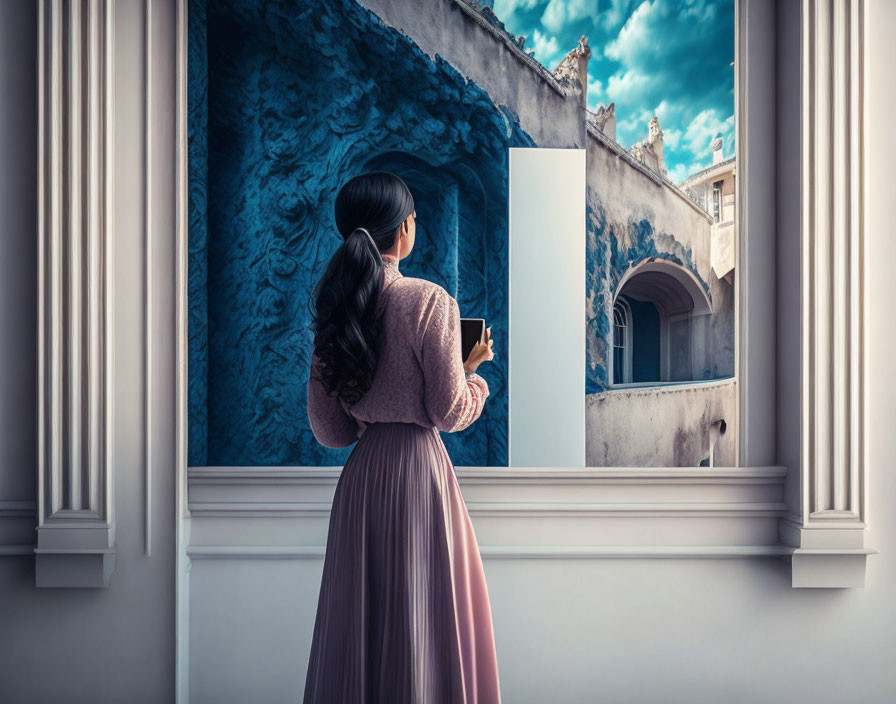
369 209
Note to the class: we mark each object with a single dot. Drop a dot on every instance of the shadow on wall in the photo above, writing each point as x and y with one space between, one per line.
288 100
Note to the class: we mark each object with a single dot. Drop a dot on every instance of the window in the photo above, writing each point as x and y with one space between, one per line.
738 499
717 201
622 347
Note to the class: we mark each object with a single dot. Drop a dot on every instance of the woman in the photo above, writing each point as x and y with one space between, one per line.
403 614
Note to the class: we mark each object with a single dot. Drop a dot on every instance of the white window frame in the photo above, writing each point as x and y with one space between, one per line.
596 513
716 203
627 345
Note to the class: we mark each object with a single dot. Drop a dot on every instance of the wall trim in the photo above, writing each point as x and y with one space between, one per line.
148 146
503 508
521 513
17 526
512 552
833 298
503 476
181 359
76 512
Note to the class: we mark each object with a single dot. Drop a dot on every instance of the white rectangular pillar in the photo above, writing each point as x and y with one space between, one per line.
547 308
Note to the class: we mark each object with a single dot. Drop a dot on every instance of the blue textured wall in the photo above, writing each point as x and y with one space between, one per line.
288 100
197 127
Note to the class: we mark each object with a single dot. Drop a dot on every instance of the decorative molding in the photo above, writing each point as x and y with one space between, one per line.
181 410
18 509
533 509
17 520
505 476
522 513
830 538
511 552
15 550
147 277
76 522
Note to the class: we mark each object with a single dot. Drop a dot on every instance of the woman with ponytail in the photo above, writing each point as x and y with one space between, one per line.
403 614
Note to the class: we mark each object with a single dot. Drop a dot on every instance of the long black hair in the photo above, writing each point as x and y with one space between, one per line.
345 299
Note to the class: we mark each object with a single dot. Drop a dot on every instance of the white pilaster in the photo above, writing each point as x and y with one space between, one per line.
830 535
76 525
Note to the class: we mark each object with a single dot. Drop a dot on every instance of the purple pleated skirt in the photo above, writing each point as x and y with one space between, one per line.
403 615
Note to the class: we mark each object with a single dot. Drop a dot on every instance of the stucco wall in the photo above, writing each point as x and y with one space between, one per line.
635 429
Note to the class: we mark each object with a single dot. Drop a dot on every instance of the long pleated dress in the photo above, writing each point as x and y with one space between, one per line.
403 614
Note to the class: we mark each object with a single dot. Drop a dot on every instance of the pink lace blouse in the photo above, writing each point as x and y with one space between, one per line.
419 377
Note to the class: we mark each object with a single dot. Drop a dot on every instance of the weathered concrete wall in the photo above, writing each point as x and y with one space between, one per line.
479 52
629 426
721 330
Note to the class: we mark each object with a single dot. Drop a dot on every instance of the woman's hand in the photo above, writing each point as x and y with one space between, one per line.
481 352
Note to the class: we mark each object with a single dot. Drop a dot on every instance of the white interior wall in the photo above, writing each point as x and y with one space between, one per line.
622 630
619 630
86 644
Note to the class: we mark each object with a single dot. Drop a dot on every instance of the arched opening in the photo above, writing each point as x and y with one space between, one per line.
660 316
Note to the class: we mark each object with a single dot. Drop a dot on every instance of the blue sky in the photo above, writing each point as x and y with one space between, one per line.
671 58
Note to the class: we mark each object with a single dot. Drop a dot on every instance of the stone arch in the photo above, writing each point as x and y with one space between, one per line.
669 313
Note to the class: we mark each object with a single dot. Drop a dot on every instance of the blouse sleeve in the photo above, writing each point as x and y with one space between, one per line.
452 400
331 424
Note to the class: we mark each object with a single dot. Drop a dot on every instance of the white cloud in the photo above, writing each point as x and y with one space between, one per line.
663 110
680 172
505 8
705 127
629 86
636 36
559 13
699 12
671 136
632 128
613 15
594 90
546 48
664 32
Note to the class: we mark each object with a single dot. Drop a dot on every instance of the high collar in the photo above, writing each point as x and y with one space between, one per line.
390 274
391 270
